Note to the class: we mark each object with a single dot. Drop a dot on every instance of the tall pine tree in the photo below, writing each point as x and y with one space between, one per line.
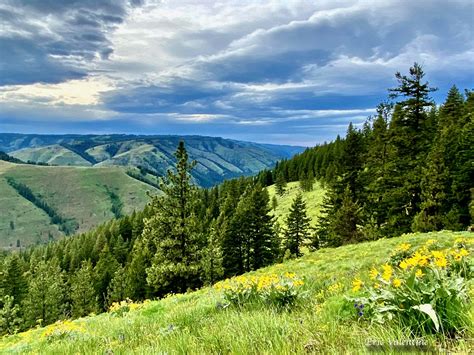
297 231
176 232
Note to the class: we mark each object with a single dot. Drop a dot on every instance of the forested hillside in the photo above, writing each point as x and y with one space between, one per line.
408 168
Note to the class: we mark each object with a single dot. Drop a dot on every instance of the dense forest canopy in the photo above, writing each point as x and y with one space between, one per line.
409 168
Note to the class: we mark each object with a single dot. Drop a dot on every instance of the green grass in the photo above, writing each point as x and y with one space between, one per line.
313 200
193 323
53 154
30 224
81 193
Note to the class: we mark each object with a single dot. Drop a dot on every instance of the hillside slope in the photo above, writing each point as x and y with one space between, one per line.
197 323
217 158
83 196
313 200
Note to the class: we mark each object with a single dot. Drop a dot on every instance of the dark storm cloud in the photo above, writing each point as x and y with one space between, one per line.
51 41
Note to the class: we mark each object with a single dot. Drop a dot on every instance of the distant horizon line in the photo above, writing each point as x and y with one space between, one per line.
152 135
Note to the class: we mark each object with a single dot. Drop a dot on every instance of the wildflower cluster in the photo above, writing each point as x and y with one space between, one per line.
335 288
122 307
62 329
278 290
328 290
427 289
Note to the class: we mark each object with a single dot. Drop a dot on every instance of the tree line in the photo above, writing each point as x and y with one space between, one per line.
408 168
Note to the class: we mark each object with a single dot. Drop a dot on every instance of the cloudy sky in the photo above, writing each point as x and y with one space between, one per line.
283 71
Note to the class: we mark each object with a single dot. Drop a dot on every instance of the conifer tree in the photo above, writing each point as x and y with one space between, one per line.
14 282
175 230
307 181
104 271
351 159
297 227
249 241
410 141
274 202
374 176
264 244
280 184
346 221
118 288
44 300
83 294
212 256
10 320
459 117
235 241
135 272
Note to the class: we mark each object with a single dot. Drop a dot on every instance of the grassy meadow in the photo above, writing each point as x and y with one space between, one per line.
313 199
323 320
79 193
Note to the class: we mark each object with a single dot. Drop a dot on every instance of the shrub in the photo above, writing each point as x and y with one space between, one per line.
425 290
279 291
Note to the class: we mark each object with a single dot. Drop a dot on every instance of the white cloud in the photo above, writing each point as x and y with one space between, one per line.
73 92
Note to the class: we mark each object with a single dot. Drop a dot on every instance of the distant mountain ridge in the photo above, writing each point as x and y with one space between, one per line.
217 158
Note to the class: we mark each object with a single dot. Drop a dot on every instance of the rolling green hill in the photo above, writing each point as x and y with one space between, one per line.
217 158
52 154
83 196
198 323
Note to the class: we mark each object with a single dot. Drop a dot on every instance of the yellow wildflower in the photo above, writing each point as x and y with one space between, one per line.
430 242
373 273
298 283
290 275
463 252
134 306
335 287
404 247
419 273
387 272
397 283
357 284
403 265
423 260
441 262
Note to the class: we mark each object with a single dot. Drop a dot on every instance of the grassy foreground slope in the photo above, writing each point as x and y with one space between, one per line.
83 194
196 323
